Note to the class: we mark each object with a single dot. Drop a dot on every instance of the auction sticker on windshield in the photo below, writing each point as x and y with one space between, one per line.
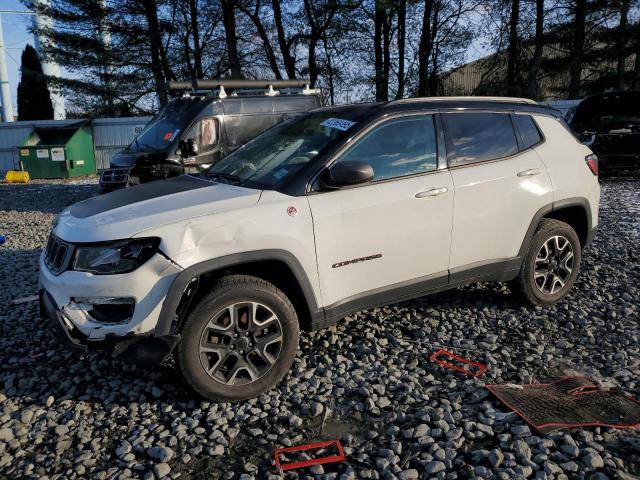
338 123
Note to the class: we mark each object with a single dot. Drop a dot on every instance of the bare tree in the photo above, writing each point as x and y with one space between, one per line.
621 43
538 45
229 20
513 51
256 19
577 48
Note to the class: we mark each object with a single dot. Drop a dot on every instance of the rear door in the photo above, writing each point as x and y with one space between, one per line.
500 183
393 234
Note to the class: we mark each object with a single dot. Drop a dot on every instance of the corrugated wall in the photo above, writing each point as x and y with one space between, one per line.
110 135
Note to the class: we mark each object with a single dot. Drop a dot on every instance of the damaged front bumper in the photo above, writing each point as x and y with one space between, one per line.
114 312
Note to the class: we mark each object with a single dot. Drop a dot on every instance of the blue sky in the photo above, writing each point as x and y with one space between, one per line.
16 36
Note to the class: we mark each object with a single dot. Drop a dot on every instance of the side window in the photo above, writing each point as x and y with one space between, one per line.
205 133
477 137
398 147
527 130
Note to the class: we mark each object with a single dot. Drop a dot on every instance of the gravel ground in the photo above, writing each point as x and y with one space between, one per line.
366 380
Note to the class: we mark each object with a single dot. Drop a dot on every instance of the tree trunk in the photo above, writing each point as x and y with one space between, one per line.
424 49
402 36
386 52
577 49
379 20
229 20
512 60
197 49
622 43
329 71
158 64
287 58
534 66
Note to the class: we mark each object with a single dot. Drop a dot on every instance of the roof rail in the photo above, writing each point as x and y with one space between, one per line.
467 99
221 86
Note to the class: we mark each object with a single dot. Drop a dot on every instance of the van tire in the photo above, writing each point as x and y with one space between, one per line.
238 293
526 285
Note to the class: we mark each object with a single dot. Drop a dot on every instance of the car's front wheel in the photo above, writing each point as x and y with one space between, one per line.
239 341
551 264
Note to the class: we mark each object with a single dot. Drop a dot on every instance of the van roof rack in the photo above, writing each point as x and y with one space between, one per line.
243 87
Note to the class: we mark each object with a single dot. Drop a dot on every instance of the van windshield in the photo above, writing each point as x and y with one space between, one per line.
166 126
278 153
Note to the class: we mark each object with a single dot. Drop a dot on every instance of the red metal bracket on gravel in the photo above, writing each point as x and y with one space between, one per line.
480 368
340 457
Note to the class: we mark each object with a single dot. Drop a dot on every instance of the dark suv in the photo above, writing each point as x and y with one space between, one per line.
609 123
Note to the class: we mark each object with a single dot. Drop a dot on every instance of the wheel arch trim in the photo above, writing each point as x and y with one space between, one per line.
168 313
581 202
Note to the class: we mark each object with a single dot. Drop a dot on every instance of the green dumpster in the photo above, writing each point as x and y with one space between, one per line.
58 152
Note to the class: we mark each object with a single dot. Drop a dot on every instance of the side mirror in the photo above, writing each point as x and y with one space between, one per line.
343 174
188 148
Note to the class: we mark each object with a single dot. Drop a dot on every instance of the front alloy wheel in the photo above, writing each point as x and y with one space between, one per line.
239 341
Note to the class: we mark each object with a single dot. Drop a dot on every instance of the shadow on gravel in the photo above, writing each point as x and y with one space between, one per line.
43 197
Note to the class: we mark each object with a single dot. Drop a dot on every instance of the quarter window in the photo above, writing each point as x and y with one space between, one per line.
527 130
478 137
398 147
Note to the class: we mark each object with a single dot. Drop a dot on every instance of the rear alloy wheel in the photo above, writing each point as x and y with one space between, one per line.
551 264
239 341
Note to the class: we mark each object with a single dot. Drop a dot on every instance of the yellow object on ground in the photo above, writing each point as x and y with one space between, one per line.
14 176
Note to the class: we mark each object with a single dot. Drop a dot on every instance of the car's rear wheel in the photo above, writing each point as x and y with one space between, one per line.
239 341
551 264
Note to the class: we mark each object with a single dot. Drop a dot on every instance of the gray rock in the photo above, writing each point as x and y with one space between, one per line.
434 467
161 470
496 457
593 460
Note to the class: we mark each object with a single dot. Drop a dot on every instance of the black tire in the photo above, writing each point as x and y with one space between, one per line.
526 284
228 291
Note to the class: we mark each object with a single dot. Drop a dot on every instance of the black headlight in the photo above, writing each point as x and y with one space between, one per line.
121 256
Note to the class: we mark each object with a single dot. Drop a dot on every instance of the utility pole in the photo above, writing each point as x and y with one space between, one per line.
5 91
41 24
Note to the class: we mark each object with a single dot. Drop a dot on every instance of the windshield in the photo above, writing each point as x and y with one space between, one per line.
608 111
166 126
277 154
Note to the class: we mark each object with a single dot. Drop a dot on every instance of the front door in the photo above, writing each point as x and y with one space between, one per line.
394 233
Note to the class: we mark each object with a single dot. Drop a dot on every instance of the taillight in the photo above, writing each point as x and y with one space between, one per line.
592 163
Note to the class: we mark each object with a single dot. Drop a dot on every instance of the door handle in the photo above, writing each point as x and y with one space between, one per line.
432 192
529 173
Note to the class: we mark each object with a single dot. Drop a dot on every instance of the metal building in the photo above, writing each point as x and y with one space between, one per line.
110 135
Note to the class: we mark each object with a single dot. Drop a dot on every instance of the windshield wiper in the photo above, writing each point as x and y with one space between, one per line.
229 177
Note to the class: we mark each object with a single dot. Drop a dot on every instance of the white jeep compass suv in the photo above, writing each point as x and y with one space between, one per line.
331 212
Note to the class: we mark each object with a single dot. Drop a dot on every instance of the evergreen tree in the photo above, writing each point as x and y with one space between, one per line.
34 99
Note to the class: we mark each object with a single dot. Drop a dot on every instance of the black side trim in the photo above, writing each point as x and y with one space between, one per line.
382 296
168 314
494 270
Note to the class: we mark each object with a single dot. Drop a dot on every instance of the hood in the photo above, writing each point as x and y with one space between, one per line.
128 158
125 213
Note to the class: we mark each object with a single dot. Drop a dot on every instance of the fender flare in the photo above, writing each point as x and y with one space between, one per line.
551 207
168 313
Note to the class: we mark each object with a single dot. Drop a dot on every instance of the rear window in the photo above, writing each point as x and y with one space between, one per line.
527 130
478 137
